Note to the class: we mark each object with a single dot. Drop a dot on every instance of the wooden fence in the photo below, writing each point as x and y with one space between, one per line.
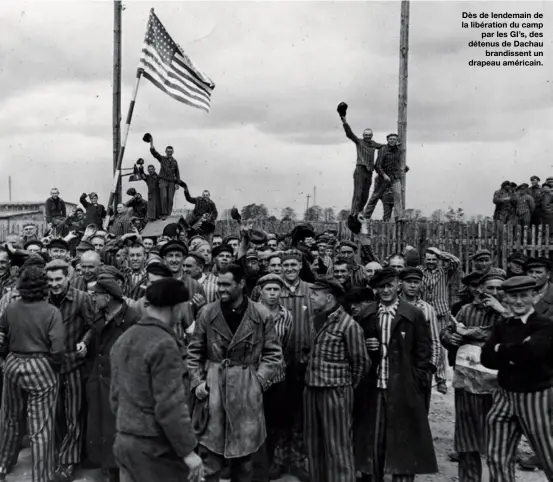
460 239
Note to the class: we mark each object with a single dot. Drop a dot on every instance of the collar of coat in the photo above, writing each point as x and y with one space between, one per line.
151 321
404 309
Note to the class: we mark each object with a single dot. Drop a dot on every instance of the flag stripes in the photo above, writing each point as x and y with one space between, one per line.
165 64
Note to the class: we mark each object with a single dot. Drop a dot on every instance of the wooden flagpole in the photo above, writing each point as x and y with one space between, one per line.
116 121
402 97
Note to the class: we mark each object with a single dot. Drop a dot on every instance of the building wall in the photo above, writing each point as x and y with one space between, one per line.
14 224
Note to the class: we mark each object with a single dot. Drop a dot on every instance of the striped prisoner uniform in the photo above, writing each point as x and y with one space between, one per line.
520 349
77 312
210 288
33 333
471 408
337 361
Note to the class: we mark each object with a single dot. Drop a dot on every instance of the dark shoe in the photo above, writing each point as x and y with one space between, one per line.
276 472
301 474
453 456
530 463
442 387
66 473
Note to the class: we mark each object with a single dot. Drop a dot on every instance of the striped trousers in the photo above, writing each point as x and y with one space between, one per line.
379 459
29 382
70 417
441 369
470 433
512 415
328 433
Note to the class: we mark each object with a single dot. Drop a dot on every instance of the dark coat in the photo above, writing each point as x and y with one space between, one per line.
545 305
100 432
409 446
237 369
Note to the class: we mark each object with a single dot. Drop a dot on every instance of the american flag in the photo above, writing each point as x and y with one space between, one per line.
166 65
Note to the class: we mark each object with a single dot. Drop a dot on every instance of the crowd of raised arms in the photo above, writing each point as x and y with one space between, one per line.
182 355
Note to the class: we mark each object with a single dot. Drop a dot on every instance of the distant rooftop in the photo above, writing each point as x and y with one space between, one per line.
10 214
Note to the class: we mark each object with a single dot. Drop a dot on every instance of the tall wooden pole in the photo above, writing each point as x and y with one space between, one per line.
117 93
10 187
402 98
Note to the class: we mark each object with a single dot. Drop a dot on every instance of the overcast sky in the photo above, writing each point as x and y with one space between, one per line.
273 132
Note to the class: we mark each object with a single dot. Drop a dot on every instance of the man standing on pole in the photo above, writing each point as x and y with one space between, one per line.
362 176
168 176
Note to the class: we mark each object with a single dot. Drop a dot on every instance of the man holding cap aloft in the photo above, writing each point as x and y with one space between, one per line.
148 396
337 361
520 349
396 438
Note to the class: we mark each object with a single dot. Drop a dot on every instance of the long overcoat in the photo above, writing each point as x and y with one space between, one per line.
237 369
100 427
409 446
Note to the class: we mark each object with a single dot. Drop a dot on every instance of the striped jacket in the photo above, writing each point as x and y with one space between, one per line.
210 288
338 355
432 320
283 327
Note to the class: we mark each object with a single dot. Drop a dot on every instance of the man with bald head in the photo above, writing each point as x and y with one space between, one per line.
362 176
90 266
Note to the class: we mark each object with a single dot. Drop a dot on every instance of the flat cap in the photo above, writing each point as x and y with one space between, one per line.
383 276
197 256
536 178
109 270
522 186
517 258
167 292
505 183
85 245
292 254
480 253
59 244
109 285
540 261
492 275
222 248
35 242
159 269
358 294
270 278
57 264
252 254
327 283
257 236
410 273
391 134
472 278
518 283
173 245
350 244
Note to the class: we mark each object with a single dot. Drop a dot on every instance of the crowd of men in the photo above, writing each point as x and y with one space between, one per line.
256 355
524 204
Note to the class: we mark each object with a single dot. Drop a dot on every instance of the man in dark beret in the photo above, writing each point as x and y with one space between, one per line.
113 317
399 343
155 441
520 349
330 385
362 176
235 346
356 300
411 279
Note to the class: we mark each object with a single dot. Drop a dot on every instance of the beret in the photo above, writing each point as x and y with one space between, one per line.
172 230
472 278
383 276
57 264
412 258
229 237
322 238
292 254
108 284
131 191
480 253
252 253
109 270
35 242
342 109
173 245
270 278
517 258
536 178
327 283
300 232
392 134
513 184
197 256
159 269
222 248
85 245
234 214
410 273
147 137
257 236
545 262
358 295
351 244
167 292
505 183
33 260
518 283
59 243
490 275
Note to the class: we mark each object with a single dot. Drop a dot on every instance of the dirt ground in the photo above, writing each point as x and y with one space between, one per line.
441 420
